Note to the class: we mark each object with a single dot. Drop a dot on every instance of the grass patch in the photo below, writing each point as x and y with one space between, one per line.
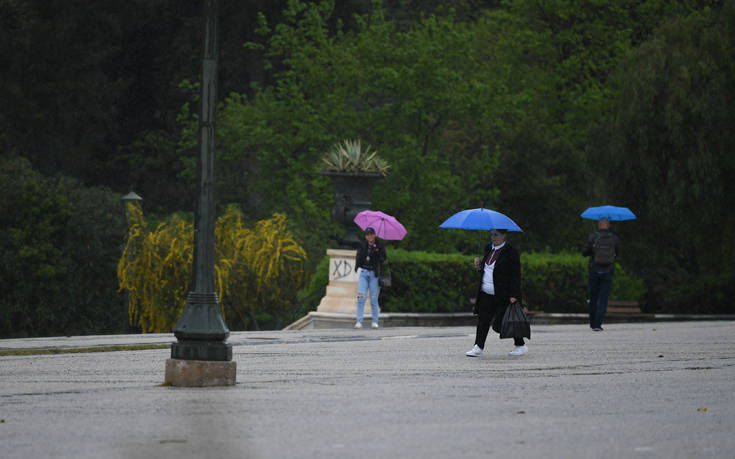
82 350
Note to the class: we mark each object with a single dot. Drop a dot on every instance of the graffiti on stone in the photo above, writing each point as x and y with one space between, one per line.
341 269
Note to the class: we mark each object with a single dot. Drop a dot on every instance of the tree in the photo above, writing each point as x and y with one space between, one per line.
669 150
396 91
32 270
58 246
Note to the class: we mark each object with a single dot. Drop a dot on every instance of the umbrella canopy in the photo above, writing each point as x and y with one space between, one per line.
385 226
480 219
612 213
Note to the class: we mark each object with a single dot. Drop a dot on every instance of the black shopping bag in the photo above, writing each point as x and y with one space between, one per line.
515 322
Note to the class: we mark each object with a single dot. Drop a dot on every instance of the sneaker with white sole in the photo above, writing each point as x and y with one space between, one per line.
474 352
357 325
519 350
374 325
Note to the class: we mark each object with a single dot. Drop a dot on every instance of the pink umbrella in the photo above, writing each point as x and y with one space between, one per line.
385 226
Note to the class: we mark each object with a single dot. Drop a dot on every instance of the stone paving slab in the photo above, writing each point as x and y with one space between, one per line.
663 390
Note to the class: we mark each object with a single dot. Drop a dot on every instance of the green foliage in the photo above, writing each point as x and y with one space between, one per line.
310 296
93 238
429 282
58 248
261 269
555 283
710 294
32 271
257 271
350 156
558 283
534 108
496 112
666 150
347 85
435 282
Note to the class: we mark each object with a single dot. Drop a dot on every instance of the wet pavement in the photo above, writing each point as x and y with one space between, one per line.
664 390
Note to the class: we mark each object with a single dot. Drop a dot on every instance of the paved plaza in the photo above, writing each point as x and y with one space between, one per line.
643 390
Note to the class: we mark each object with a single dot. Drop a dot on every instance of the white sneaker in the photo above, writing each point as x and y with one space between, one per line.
519 350
375 325
475 352
357 325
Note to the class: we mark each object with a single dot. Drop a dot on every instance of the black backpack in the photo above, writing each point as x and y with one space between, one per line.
604 249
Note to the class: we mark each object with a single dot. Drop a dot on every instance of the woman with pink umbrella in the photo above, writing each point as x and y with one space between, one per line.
371 257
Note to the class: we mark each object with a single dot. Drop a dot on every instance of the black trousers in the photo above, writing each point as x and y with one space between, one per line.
488 309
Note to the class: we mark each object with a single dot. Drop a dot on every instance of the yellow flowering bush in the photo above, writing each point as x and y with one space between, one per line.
256 269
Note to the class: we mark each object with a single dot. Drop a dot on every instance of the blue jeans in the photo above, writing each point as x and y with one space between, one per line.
600 285
368 281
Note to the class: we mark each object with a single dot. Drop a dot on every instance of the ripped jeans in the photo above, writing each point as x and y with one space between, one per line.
368 281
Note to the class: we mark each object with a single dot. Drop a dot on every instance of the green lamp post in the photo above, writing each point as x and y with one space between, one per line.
201 332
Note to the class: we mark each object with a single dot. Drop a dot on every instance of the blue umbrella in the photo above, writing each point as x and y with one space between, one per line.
480 219
612 213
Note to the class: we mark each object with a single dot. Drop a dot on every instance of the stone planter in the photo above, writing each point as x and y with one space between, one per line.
352 192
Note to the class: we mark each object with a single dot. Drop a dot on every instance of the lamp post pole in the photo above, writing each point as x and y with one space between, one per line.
134 199
200 331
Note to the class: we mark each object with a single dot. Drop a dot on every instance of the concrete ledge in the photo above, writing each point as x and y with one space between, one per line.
583 318
200 373
428 319
691 317
327 320
623 317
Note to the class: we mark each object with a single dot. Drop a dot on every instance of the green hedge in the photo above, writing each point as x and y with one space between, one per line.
558 282
702 295
429 282
432 282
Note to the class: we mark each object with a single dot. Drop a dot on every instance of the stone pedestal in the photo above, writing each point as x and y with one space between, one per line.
200 373
341 296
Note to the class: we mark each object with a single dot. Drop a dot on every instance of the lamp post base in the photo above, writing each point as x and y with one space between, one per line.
201 350
200 373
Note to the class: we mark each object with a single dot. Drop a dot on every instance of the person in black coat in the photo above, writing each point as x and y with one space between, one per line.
500 284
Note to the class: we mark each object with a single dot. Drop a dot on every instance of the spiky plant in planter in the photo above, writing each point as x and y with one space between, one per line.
354 170
350 156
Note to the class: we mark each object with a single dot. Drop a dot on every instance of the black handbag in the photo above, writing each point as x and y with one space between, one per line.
515 322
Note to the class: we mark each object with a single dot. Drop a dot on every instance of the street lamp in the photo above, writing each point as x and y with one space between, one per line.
201 356
130 198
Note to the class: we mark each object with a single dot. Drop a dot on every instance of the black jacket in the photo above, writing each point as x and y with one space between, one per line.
506 274
377 255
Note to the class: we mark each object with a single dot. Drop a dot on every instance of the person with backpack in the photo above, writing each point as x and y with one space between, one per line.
602 247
